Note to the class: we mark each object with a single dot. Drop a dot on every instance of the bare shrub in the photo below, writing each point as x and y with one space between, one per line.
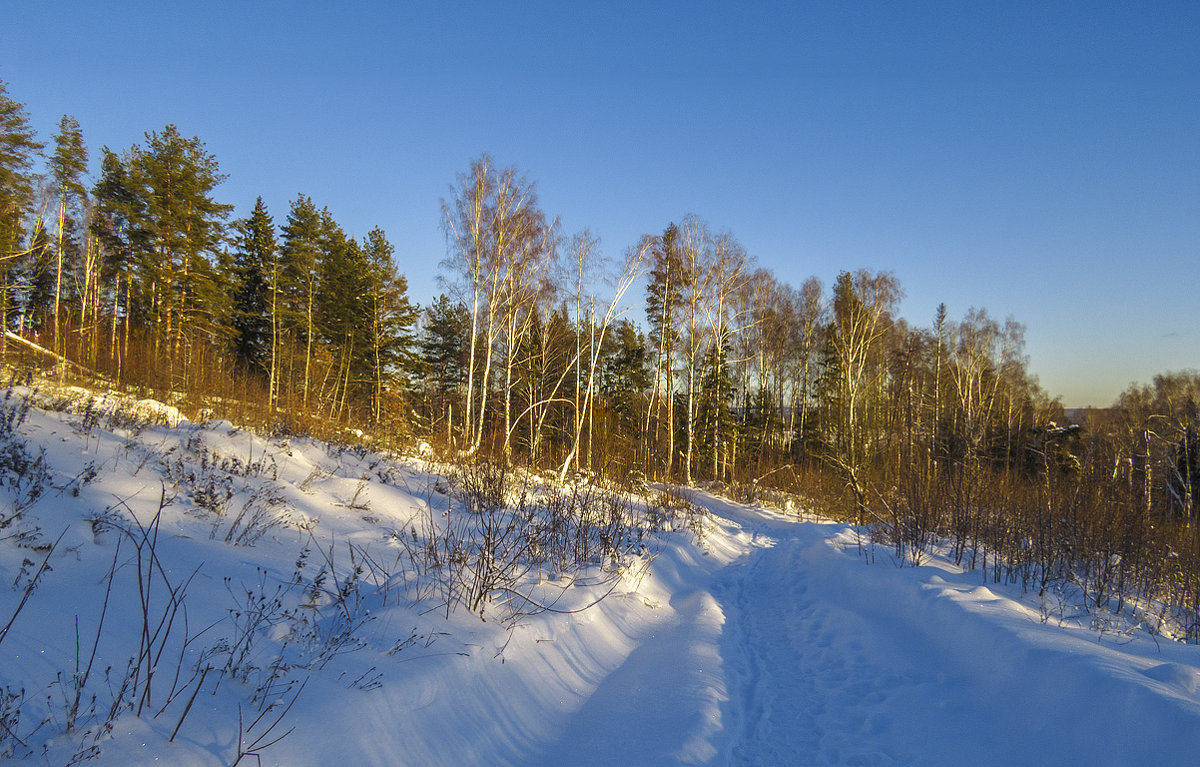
13 743
25 475
503 535
212 481
671 509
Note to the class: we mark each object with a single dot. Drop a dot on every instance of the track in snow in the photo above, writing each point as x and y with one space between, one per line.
798 652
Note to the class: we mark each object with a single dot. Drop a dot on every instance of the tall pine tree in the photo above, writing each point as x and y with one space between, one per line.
118 225
18 148
663 300
393 317
342 314
67 166
177 176
299 254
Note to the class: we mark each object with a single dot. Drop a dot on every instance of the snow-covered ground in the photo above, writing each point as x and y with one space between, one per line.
769 640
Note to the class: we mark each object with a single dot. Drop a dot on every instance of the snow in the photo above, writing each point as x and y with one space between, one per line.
769 639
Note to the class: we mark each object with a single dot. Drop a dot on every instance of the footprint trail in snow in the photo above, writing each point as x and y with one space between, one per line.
797 652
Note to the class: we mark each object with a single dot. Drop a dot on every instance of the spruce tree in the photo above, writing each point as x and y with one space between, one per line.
624 378
444 351
714 418
250 317
36 284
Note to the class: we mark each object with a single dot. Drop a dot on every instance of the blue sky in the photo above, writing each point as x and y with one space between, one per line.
1041 160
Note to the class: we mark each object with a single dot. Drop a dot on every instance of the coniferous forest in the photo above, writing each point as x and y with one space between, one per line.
677 362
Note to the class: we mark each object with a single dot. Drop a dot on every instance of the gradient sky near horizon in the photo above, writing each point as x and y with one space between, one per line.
1040 160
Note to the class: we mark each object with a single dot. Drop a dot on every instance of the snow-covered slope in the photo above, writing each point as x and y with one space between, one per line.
768 640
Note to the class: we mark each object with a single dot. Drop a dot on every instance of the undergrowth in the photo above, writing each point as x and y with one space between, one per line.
499 543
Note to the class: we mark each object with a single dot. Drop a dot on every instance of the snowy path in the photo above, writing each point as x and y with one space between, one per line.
798 652
771 643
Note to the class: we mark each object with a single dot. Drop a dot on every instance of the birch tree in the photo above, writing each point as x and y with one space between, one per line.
696 258
862 314
584 260
487 224
524 285
811 317
725 315
630 271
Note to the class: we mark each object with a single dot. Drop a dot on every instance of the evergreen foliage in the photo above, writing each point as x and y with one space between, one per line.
18 150
392 333
251 274
624 377
175 177
731 377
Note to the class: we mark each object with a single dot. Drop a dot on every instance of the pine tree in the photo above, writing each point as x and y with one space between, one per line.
559 371
529 382
393 318
18 148
67 166
185 225
118 224
663 297
299 255
341 316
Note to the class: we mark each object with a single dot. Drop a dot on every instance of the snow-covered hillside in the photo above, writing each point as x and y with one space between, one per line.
192 594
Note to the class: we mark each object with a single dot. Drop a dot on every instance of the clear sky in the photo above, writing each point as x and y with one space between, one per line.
1041 160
